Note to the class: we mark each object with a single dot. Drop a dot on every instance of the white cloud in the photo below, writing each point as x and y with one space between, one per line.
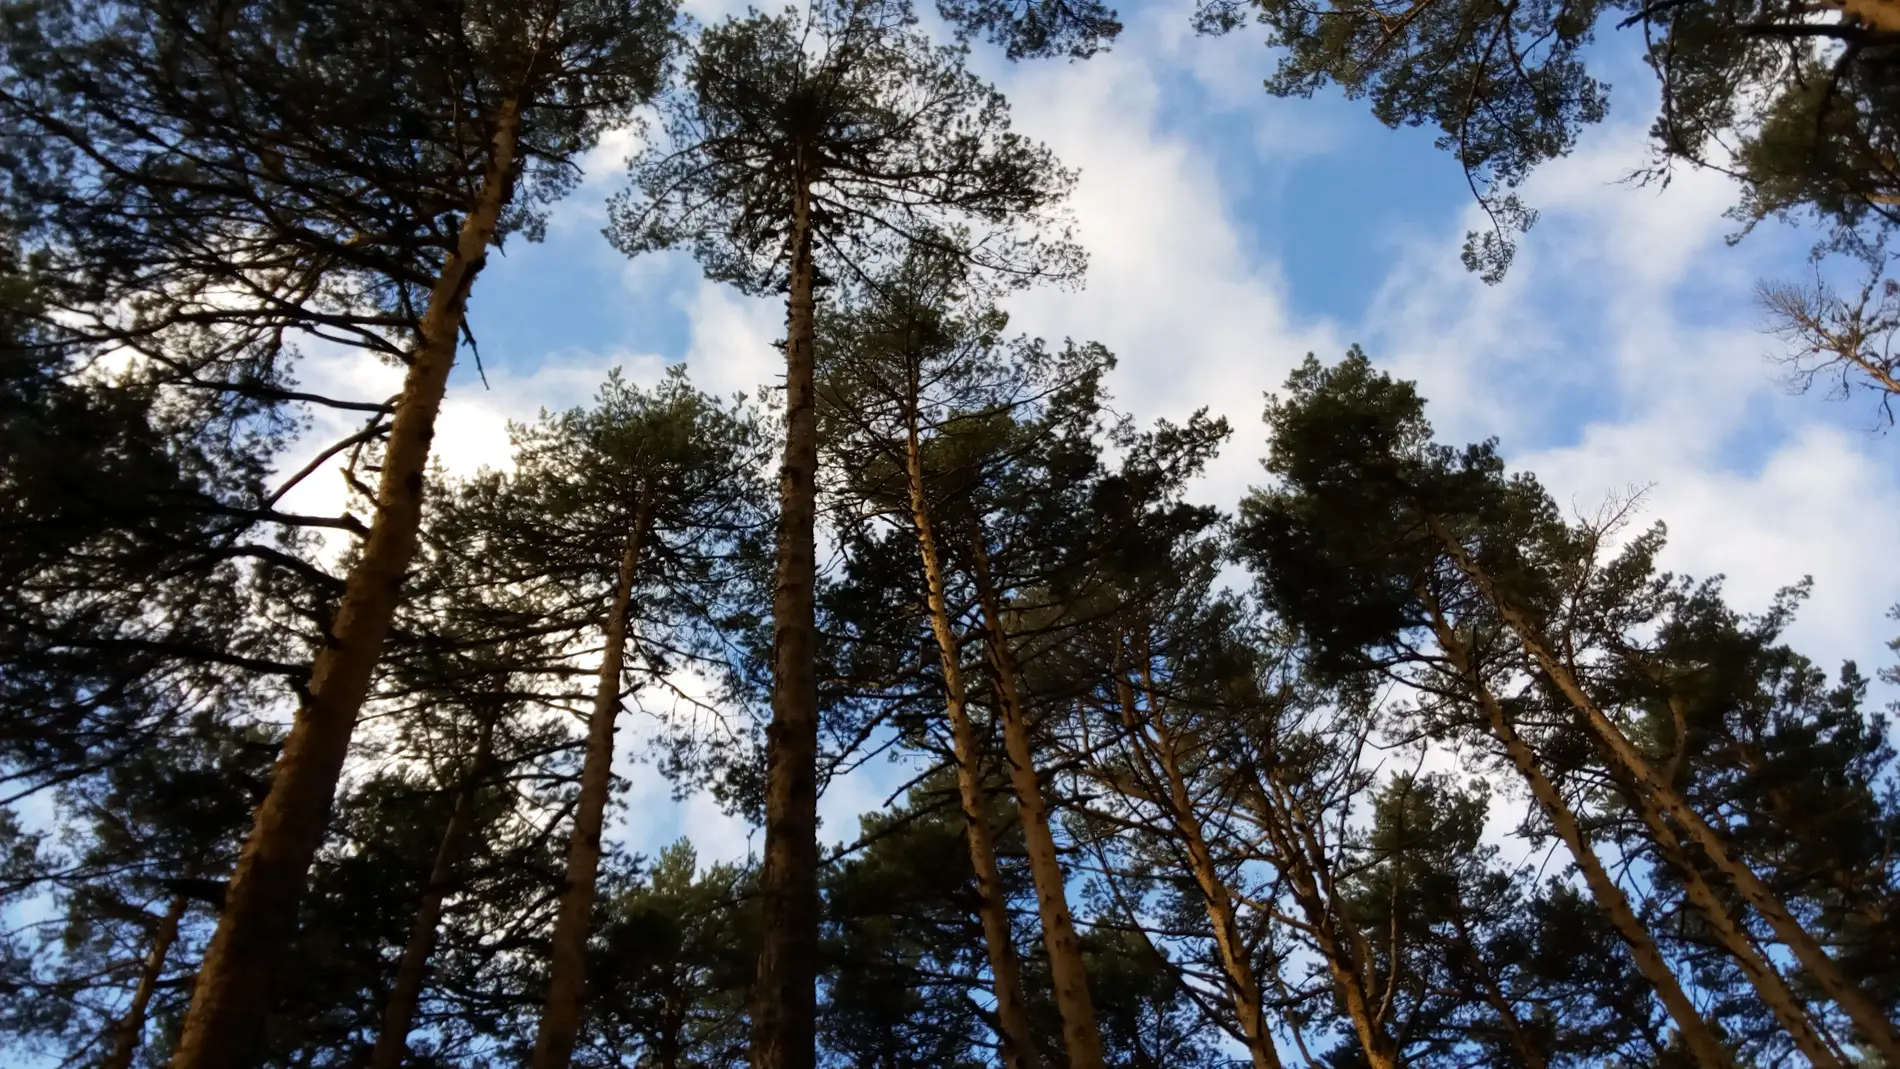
1620 352
734 345
1171 287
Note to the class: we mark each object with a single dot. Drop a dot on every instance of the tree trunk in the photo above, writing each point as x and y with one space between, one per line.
785 998
1242 986
1012 1015
132 1027
231 998
1767 981
392 1044
1337 938
567 953
1880 15
1079 1034
1695 1031
1486 980
1861 1009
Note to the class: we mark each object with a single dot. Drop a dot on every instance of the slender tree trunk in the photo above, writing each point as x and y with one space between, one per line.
1767 981
1242 986
1695 1031
1482 975
1079 1034
392 1044
132 1026
1302 859
567 953
231 998
785 998
1012 1014
1864 1011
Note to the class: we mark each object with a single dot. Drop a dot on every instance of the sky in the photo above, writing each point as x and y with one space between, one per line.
1231 233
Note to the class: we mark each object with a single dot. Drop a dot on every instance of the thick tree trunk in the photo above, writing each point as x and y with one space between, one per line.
1242 986
1880 15
1861 1009
1012 1014
1695 1031
785 998
231 998
392 1044
567 953
132 1026
1079 1033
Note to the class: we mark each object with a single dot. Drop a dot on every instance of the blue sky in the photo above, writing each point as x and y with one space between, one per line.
1231 233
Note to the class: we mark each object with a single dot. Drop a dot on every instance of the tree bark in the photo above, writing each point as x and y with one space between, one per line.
392 1043
1012 1013
1864 1011
231 997
1880 15
567 954
132 1026
785 997
1242 986
1486 980
1767 981
1080 1036
1695 1031
1301 857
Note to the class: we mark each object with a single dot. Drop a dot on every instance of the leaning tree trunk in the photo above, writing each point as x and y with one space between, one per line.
567 953
132 1026
1879 15
392 1043
1695 1031
1079 1033
785 998
1486 980
231 998
1787 1007
1012 1014
1242 985
1301 856
1860 1008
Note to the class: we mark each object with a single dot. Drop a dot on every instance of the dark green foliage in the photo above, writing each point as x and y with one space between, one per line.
904 948
160 825
901 145
1807 105
672 959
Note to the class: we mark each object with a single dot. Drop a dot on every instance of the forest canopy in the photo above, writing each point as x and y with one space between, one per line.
1398 760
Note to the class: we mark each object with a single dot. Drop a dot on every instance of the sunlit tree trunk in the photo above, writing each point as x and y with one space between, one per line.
1164 768
131 1027
567 952
1300 855
231 1000
785 999
1012 1015
1648 957
1863 1010
1079 1034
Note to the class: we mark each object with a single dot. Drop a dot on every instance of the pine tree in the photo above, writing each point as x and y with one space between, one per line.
1804 103
825 141
651 489
671 964
339 172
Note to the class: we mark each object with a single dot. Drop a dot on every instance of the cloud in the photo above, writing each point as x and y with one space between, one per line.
1623 353
1172 288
